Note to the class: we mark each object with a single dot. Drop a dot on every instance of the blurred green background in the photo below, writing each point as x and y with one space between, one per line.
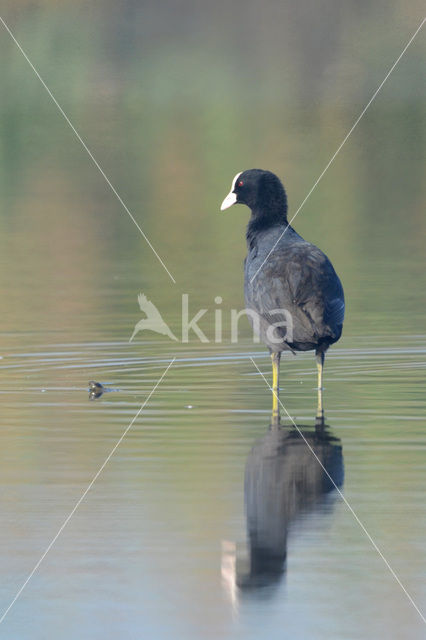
173 99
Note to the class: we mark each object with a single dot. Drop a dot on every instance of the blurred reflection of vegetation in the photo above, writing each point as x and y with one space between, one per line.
173 101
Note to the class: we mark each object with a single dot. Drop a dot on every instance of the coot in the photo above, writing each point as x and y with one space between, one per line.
293 296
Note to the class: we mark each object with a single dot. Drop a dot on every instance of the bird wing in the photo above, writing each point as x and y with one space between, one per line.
154 320
149 308
301 279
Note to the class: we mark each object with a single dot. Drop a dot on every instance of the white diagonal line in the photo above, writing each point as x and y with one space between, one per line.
343 141
343 498
92 157
95 477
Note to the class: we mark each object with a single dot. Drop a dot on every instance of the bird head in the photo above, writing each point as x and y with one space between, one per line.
261 191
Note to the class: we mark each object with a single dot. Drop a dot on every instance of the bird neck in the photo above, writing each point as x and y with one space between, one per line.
263 218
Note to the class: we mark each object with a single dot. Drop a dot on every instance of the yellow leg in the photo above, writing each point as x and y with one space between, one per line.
275 387
320 367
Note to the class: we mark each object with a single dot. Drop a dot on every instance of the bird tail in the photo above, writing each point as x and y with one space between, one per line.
172 335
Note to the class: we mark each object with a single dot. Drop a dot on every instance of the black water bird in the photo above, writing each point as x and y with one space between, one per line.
293 296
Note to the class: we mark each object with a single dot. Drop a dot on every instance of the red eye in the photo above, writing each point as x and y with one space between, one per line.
240 183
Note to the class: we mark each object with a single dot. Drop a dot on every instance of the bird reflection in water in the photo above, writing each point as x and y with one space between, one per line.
289 472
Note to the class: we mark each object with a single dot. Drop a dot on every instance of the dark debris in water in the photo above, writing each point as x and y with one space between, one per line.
96 389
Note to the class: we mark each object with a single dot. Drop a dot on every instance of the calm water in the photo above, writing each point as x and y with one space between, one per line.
204 523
